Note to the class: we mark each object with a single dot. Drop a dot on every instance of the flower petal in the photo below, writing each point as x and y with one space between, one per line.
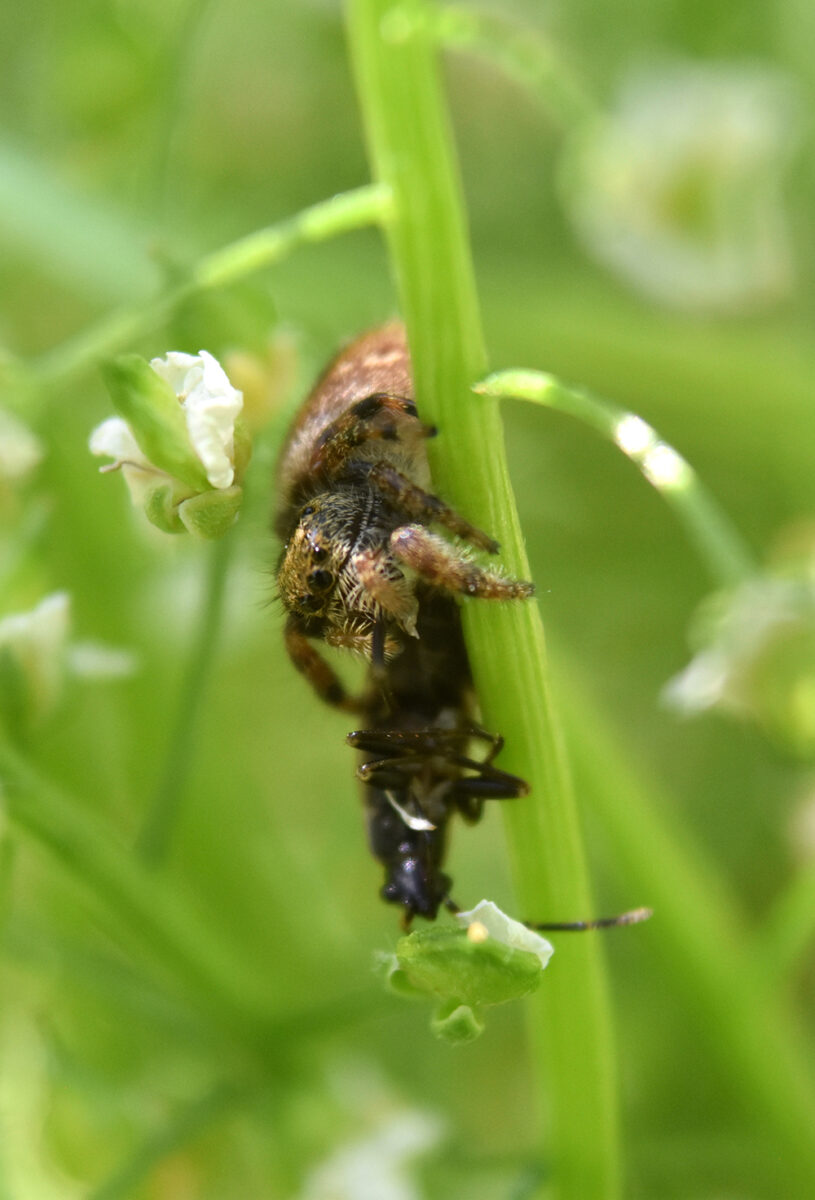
507 931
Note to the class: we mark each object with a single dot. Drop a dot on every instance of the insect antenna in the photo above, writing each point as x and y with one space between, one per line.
633 917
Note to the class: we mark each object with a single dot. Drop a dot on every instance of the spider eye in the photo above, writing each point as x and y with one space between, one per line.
318 553
308 511
320 580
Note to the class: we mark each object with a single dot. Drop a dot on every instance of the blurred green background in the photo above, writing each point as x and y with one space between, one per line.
666 266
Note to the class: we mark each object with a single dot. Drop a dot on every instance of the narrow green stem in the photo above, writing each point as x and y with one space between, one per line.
340 214
709 529
704 951
523 55
162 817
410 146
788 932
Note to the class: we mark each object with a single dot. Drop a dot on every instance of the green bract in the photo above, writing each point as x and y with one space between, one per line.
151 409
466 976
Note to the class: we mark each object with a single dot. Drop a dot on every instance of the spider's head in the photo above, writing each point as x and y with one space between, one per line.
315 556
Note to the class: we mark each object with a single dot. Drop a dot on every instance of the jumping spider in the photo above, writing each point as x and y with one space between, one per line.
354 516
360 569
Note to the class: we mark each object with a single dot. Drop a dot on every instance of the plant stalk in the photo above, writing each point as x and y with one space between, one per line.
411 151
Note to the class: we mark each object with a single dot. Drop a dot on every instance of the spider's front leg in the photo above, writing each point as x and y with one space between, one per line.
446 567
320 675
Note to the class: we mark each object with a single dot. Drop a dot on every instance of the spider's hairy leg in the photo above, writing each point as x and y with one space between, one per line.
445 567
385 584
320 675
408 498
379 417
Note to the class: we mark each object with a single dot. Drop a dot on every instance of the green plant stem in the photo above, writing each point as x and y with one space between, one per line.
523 55
709 529
162 817
411 151
704 950
788 932
350 210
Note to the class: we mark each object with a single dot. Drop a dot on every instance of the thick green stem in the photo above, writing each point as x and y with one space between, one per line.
349 210
410 145
707 526
154 842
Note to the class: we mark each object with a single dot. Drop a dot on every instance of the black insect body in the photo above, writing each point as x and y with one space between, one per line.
361 569
417 770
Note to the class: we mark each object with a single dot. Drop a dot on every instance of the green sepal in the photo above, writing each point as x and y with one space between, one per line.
241 448
445 963
161 508
456 1023
151 409
210 514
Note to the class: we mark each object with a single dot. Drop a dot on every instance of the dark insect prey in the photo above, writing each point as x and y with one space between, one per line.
361 569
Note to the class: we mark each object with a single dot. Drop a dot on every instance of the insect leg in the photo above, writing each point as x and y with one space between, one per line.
444 566
393 742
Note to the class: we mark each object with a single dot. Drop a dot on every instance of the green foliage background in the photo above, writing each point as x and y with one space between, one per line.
134 137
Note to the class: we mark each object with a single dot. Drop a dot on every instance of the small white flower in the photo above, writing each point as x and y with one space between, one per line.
38 644
113 439
20 449
210 405
505 930
679 189
37 641
375 1167
98 662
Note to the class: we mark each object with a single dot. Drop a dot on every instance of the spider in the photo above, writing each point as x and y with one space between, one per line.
355 513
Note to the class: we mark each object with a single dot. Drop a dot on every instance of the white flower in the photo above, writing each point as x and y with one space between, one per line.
98 662
375 1167
488 917
113 439
20 450
210 405
679 190
37 642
